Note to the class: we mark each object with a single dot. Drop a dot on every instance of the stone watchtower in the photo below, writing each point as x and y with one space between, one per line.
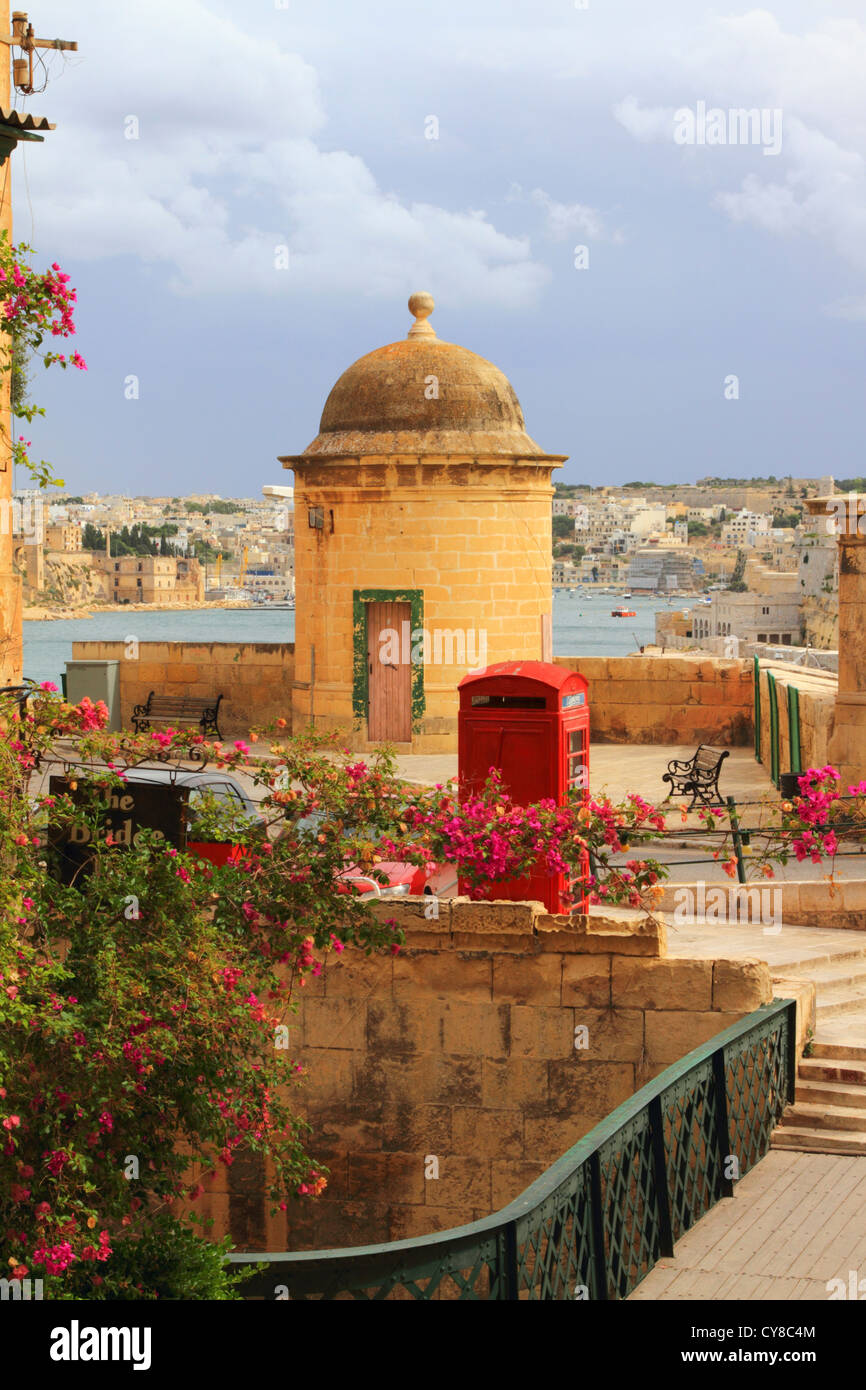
422 545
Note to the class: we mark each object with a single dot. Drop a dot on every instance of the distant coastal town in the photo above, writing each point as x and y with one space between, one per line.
739 566
80 554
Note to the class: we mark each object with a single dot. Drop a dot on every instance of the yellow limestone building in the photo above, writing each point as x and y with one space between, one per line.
422 542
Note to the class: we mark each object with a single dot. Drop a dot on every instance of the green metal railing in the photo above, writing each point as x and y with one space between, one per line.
594 1224
773 701
794 728
757 679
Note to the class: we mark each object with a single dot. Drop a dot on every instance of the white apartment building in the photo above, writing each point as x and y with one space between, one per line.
746 528
750 617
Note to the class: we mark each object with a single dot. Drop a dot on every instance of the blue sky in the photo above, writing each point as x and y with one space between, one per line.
304 125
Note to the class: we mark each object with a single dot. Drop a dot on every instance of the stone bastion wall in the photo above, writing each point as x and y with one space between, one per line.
443 1080
634 699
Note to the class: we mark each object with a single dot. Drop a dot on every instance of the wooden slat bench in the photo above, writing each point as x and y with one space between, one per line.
698 776
178 709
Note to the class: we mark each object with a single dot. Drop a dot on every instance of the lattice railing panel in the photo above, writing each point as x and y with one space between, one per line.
690 1117
554 1244
757 1086
629 1206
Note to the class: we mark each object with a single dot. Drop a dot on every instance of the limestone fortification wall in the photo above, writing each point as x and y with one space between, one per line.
667 699
817 695
821 621
254 678
634 699
462 1049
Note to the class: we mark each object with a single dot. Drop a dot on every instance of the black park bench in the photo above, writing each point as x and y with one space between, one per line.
178 709
698 776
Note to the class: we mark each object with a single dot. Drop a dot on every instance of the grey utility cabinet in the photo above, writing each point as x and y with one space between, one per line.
98 679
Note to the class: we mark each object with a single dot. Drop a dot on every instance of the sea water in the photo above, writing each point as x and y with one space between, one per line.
582 626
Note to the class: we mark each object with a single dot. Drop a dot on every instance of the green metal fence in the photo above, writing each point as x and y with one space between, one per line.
594 1224
773 701
794 728
757 680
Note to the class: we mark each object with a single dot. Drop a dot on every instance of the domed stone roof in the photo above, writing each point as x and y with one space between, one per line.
422 396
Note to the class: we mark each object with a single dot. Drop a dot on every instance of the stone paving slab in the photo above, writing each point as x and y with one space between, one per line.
790 946
795 1222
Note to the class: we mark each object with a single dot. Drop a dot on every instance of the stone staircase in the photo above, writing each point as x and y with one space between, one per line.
829 1112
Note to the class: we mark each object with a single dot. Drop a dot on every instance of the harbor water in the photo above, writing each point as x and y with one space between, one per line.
582 626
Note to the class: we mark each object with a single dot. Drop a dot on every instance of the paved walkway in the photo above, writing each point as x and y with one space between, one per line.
796 1221
783 951
617 768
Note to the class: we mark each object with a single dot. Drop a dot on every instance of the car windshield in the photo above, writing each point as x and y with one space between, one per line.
218 805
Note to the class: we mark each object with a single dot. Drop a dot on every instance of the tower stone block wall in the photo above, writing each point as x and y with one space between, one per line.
421 494
469 537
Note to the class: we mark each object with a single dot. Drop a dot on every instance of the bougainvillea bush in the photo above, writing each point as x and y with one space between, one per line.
146 1004
37 304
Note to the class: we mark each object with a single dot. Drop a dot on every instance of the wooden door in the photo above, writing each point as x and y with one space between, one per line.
389 666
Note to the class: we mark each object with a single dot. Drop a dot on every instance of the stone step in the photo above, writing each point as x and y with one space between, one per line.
831 1093
843 972
819 1141
839 962
838 1051
802 1114
840 999
834 1069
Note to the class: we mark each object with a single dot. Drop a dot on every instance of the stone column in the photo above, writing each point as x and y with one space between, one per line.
10 580
845 515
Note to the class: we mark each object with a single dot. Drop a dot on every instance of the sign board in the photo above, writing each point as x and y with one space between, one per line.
128 809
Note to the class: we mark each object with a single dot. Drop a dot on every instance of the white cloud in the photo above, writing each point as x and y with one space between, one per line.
816 187
230 164
566 219
645 122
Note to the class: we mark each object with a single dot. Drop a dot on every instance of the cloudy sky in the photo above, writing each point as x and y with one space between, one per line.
198 137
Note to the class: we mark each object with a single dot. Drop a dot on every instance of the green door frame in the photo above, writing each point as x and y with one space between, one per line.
360 673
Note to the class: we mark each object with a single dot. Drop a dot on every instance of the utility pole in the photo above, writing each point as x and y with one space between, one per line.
20 43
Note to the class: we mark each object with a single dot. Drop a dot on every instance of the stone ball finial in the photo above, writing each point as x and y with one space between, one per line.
421 305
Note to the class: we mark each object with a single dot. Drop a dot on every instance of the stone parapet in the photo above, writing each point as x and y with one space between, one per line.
668 699
254 678
442 1080
768 904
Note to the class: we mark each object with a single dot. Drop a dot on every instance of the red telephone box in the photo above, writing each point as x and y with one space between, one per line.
529 720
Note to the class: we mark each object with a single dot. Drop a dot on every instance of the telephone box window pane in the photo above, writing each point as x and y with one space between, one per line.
509 701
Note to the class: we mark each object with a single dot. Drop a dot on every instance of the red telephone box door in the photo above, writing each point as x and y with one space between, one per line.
529 721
